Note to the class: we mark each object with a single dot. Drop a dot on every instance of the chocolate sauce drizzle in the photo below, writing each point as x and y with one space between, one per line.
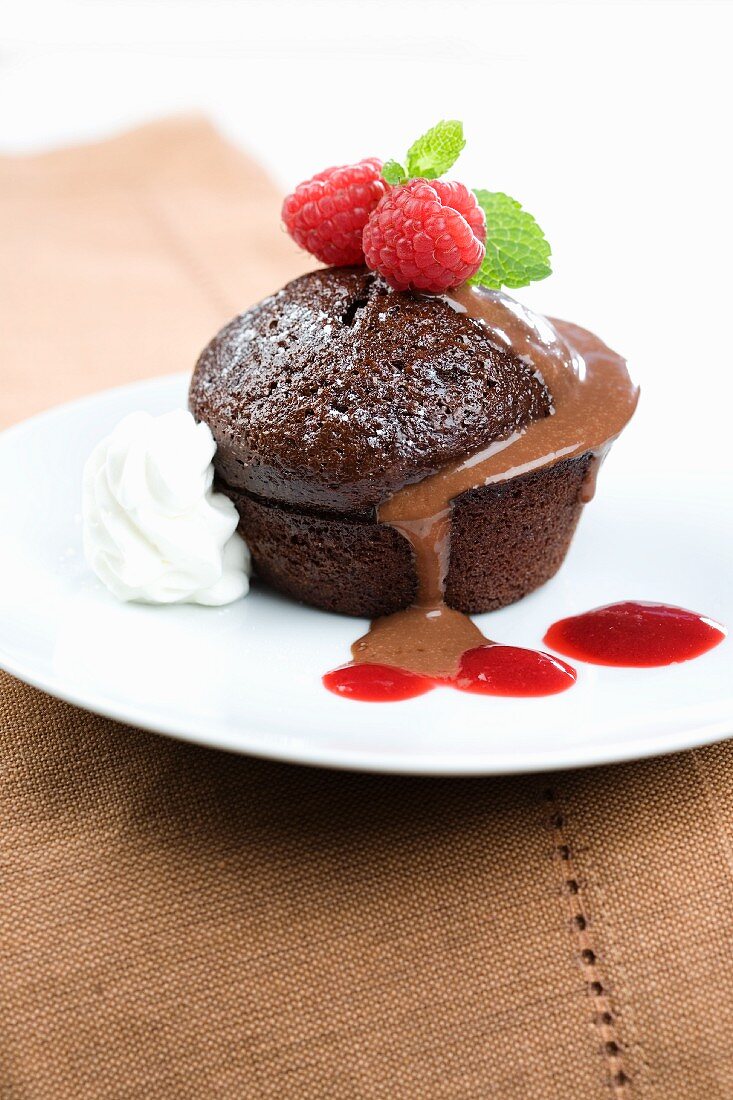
593 399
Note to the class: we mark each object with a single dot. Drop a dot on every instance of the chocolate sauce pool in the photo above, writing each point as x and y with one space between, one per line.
593 399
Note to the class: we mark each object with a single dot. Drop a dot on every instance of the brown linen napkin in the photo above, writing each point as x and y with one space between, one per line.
121 260
177 922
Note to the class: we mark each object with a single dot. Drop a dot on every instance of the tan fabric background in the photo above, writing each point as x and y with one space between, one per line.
176 922
120 260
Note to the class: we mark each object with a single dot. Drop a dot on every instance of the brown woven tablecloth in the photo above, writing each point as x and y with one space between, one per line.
176 922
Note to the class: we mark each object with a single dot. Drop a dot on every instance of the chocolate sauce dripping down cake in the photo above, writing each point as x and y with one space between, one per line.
390 451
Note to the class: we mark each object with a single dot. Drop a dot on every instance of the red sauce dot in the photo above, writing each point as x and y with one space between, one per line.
635 635
508 670
376 683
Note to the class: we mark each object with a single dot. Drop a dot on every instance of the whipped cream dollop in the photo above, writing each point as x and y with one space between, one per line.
154 530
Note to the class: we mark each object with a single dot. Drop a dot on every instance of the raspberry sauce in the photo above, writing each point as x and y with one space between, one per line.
377 683
635 635
508 670
486 670
625 635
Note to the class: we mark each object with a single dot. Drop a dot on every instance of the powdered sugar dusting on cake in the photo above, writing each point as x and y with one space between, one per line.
336 391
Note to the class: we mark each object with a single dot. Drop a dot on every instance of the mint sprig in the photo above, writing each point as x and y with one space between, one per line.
436 151
394 173
517 252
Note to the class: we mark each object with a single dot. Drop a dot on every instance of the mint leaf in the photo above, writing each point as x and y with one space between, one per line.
436 151
516 250
394 173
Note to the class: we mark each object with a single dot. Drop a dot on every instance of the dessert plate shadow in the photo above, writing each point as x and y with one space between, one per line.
247 677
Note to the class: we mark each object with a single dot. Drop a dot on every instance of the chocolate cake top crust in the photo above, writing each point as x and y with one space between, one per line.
335 391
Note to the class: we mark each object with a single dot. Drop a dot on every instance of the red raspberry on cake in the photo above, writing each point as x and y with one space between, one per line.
426 235
326 215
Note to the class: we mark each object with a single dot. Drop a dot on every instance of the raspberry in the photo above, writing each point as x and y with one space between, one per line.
326 215
426 235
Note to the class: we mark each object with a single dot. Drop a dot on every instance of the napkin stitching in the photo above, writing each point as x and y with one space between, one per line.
700 770
605 1016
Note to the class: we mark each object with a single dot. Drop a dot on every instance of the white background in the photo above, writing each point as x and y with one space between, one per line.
611 122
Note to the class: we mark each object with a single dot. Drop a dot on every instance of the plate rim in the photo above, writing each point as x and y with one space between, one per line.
349 760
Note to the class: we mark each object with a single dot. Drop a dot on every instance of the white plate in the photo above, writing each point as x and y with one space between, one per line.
247 677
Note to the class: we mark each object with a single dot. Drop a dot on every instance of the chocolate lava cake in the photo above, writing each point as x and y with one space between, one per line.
335 392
